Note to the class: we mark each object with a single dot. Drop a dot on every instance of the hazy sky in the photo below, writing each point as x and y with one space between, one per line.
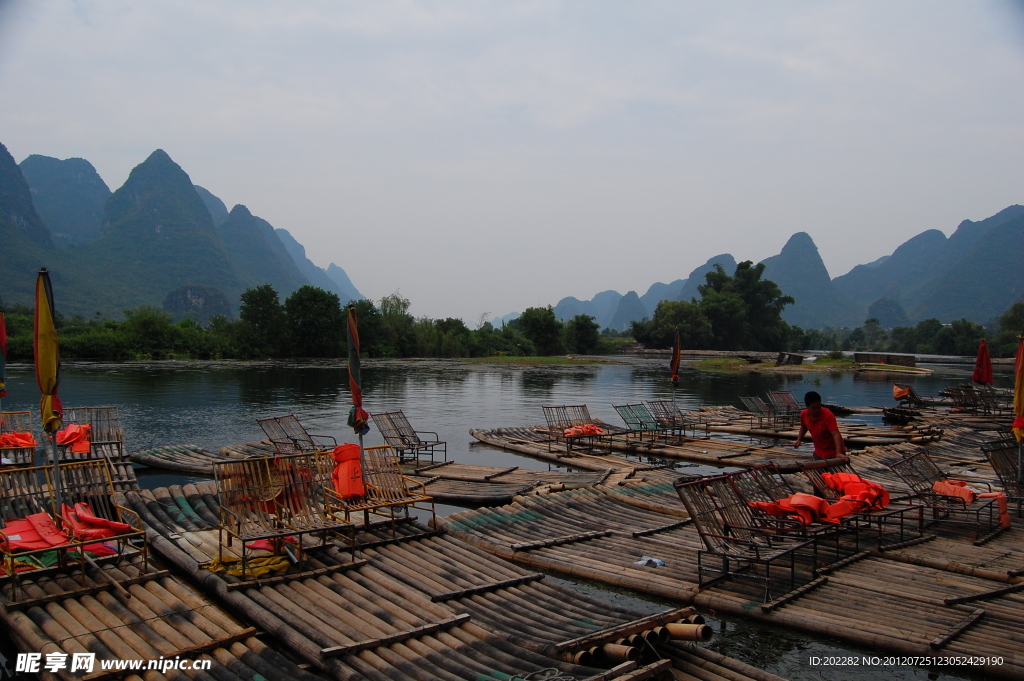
487 157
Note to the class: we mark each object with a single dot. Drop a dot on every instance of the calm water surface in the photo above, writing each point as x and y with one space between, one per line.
216 404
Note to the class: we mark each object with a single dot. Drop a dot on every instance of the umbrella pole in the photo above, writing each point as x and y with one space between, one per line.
57 500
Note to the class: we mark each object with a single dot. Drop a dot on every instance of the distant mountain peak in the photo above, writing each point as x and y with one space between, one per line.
69 196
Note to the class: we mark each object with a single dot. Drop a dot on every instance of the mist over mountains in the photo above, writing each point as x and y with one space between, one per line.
156 240
974 274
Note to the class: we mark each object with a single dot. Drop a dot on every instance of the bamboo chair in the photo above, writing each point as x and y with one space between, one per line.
387 489
1003 457
737 546
640 421
671 418
271 498
17 422
912 399
27 491
106 437
563 417
288 436
920 473
396 430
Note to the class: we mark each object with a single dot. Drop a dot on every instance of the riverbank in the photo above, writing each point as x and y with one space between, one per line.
743 365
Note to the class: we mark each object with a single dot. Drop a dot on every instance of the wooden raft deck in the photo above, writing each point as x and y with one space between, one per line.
182 458
739 422
897 601
415 605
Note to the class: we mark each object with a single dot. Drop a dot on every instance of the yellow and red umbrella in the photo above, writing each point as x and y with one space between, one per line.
47 355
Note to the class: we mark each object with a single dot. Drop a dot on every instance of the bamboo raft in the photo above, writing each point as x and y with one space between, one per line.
739 422
417 604
921 599
183 458
534 442
162 617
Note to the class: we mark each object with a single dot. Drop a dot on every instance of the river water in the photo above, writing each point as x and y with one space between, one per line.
212 404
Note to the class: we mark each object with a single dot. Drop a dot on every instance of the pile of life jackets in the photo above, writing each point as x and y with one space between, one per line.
348 472
39 531
959 488
859 496
17 440
77 436
580 431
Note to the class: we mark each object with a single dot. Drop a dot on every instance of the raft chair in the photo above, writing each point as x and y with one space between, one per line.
640 421
35 538
785 405
726 533
912 399
288 436
105 438
573 424
674 420
396 430
276 501
1003 454
920 474
15 438
760 411
386 489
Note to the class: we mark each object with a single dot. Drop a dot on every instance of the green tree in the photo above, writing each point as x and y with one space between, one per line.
582 334
695 331
316 325
148 332
263 319
1011 325
371 333
397 326
745 311
542 328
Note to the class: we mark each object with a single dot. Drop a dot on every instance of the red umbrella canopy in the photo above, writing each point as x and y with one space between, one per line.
1018 392
982 365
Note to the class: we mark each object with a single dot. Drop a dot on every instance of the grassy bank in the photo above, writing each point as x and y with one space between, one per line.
739 365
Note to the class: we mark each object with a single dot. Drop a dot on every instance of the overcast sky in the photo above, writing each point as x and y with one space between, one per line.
487 157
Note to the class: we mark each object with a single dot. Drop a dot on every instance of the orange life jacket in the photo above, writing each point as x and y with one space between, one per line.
348 472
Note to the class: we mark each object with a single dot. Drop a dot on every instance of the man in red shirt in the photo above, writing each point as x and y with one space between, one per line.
821 424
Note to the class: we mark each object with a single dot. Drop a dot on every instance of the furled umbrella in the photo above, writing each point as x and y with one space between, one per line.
982 365
3 359
1018 403
357 416
47 358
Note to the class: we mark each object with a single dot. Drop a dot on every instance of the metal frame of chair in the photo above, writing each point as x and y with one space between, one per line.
674 420
640 421
271 498
759 410
920 473
1003 455
725 535
895 513
386 488
396 430
106 437
785 405
17 422
289 436
913 398
28 490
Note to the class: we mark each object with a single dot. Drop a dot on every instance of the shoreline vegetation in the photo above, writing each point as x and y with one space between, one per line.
741 312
